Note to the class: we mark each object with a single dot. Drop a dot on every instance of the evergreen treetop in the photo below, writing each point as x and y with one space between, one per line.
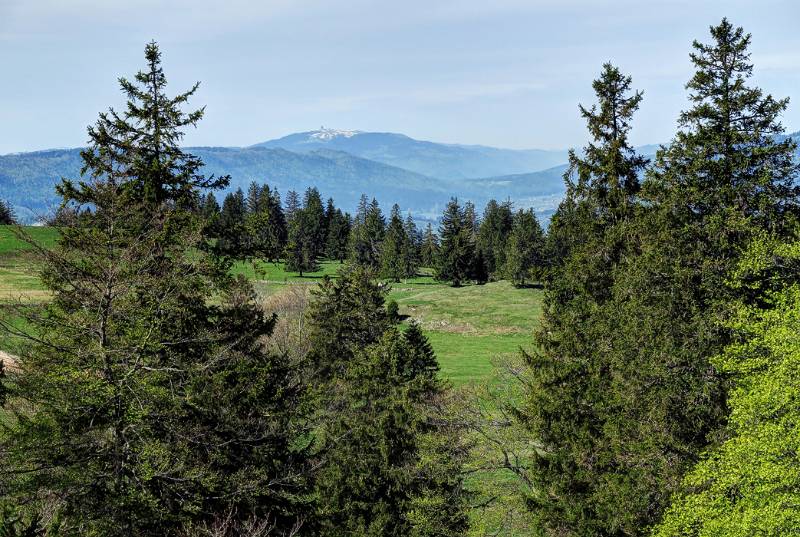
7 216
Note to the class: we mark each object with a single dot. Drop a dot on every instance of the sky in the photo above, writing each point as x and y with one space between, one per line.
504 73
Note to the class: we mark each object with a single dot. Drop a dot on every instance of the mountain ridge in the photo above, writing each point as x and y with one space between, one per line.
27 179
446 161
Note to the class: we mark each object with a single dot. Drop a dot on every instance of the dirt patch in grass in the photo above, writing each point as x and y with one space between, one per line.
503 330
9 361
445 325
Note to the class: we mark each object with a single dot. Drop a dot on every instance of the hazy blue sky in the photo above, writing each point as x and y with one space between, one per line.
507 73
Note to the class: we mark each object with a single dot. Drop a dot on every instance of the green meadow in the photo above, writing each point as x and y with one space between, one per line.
467 326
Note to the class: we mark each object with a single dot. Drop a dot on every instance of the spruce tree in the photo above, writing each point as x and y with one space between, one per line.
493 234
411 249
129 417
253 200
380 473
429 251
564 232
375 482
395 243
7 216
293 205
264 229
457 250
524 251
346 314
367 233
330 214
231 227
568 379
210 212
277 222
479 271
643 404
300 254
471 220
338 236
440 502
315 221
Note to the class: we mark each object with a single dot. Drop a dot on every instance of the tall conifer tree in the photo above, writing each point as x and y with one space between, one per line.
395 243
231 225
338 236
389 468
457 249
493 234
429 251
126 422
525 248
568 379
367 234
411 248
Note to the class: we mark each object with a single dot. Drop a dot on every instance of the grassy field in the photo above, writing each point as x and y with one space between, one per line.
11 243
467 326
18 272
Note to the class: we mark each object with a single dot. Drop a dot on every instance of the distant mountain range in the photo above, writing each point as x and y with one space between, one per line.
449 162
420 176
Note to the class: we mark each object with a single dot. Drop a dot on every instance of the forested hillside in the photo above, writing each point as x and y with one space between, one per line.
191 351
28 180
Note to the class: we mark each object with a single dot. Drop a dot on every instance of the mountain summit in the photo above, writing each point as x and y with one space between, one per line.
330 134
449 162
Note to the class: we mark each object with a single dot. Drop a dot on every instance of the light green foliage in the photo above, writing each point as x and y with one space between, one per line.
750 484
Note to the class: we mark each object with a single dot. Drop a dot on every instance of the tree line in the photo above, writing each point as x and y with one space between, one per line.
303 231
